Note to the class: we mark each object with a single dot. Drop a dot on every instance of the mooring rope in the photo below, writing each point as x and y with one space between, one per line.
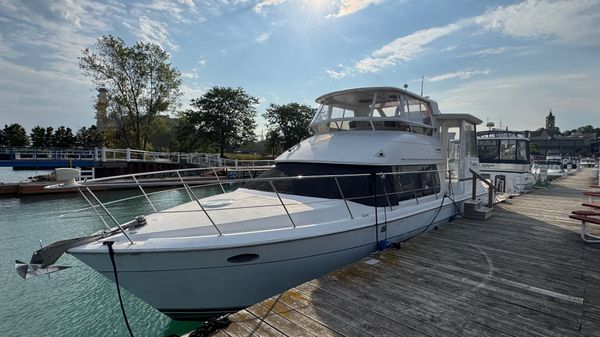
111 253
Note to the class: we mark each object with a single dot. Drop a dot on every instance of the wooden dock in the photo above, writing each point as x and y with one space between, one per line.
524 272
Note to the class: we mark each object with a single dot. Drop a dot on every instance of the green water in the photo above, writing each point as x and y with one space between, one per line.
76 301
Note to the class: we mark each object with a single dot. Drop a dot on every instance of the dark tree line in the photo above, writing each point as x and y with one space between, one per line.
16 135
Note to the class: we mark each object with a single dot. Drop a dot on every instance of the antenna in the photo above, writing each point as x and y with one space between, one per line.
422 80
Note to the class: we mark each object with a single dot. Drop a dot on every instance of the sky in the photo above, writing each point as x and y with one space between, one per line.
502 61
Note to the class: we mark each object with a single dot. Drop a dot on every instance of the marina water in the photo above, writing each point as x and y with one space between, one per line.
74 302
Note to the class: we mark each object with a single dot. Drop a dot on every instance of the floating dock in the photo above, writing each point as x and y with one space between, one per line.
523 272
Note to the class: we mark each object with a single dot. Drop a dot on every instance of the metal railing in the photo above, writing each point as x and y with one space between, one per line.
189 180
491 187
123 155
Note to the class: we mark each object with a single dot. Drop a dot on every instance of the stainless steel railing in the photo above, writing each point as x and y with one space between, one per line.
190 179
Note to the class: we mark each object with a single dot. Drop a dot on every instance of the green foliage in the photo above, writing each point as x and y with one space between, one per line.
37 136
88 138
223 115
3 140
140 84
586 129
63 137
15 135
163 136
273 143
288 124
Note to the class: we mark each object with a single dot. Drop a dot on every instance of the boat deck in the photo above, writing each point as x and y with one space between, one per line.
524 272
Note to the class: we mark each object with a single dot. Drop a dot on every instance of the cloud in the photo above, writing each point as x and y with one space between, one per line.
153 31
340 72
566 21
262 37
346 7
403 48
572 95
463 75
490 51
263 4
182 11
338 8
42 97
449 48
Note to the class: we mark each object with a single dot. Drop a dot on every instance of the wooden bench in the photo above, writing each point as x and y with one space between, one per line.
586 217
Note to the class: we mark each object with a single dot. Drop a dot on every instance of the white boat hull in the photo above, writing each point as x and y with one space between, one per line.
194 284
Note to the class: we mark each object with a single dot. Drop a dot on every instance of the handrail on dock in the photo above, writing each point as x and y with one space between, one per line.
491 188
104 154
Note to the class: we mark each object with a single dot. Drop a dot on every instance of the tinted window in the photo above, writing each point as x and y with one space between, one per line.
389 190
508 149
488 150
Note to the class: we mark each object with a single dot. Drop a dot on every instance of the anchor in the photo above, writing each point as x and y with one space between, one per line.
42 261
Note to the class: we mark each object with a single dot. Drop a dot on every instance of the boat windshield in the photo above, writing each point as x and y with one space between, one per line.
373 110
503 150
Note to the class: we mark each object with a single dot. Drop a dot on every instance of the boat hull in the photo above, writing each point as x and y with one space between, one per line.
196 283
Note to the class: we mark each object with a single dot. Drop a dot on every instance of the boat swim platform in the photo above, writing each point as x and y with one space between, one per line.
523 272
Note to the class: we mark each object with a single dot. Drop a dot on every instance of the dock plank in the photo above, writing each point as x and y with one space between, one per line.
523 272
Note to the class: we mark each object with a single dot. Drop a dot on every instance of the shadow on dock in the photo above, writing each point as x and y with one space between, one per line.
524 272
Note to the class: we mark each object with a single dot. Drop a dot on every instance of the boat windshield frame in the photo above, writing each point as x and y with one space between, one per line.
377 109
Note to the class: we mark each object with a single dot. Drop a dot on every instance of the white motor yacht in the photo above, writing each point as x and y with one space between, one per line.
376 171
587 162
505 159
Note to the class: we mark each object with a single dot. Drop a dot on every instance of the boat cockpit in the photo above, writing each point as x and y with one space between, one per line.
501 146
374 109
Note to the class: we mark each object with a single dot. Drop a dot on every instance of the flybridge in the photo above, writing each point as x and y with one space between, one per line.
375 109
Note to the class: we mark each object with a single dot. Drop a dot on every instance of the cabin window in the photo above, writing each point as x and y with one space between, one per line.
422 181
508 149
488 150
470 137
522 151
417 182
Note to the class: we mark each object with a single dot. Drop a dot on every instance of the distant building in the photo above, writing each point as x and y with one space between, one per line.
101 109
550 120
549 140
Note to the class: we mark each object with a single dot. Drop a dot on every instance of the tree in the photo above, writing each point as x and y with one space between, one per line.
88 138
63 137
15 135
290 122
41 137
49 137
273 142
3 140
223 115
140 84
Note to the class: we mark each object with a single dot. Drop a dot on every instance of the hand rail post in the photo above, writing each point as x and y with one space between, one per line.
219 180
282 204
474 186
109 214
144 193
343 197
189 189
183 183
93 207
